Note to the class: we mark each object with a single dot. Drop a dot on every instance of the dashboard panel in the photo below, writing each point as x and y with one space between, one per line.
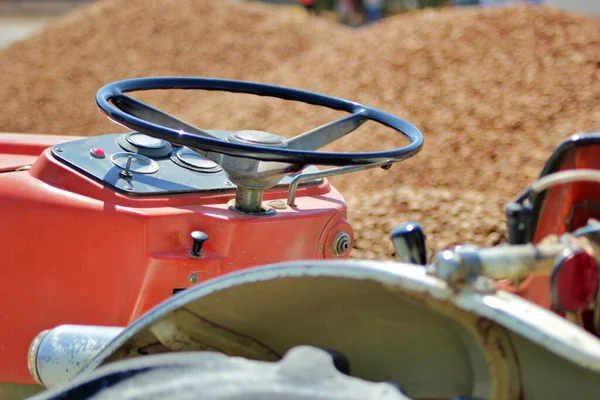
140 165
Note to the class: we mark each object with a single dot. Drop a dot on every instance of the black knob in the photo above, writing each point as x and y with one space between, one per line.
409 241
199 238
517 218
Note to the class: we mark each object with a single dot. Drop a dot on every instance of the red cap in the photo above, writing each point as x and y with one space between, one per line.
574 281
98 153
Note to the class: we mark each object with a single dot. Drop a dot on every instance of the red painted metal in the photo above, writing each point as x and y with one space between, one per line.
576 281
77 252
535 288
566 208
18 150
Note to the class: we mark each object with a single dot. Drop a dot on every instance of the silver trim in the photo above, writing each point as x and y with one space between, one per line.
158 143
151 163
541 326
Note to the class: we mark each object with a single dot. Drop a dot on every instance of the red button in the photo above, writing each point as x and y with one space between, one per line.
98 153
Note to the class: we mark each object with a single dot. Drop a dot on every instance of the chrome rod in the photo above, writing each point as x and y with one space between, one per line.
323 174
248 200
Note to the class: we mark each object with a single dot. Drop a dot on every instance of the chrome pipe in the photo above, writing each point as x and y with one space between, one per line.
57 355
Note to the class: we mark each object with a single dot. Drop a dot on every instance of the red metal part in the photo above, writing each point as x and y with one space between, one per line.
575 281
566 208
77 252
17 150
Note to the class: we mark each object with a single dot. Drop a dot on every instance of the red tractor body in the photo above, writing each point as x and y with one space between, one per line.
99 230
76 251
100 233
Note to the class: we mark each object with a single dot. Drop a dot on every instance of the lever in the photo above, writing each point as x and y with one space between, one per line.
199 238
126 173
409 241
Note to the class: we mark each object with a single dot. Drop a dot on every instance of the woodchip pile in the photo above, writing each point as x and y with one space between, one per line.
493 91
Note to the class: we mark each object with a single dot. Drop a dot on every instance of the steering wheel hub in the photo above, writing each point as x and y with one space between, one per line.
260 138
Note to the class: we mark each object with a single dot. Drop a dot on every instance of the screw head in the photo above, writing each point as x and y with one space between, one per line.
194 278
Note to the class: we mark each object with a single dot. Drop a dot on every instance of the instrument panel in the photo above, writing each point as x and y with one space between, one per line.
140 165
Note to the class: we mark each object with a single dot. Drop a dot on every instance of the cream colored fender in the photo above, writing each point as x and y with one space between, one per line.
393 322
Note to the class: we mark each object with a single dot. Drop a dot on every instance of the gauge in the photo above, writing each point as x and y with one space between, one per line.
193 160
145 141
139 164
136 142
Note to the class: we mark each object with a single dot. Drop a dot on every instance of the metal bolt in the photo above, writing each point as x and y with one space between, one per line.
128 187
448 266
341 244
194 278
227 183
278 204
58 149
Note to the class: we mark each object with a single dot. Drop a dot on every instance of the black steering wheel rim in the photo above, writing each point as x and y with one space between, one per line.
116 91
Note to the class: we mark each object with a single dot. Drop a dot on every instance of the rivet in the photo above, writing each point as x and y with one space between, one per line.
193 278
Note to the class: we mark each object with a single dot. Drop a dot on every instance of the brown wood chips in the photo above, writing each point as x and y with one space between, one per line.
493 91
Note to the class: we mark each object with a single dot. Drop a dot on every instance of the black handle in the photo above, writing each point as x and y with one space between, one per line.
199 238
409 241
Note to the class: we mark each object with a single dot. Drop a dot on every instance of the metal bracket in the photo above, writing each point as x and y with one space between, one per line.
324 174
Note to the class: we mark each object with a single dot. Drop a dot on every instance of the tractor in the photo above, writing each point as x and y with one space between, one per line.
99 230
185 281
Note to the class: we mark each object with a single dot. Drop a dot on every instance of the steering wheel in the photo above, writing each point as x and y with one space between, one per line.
254 160
263 146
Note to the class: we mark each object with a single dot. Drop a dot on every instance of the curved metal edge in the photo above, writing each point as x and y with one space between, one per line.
32 356
300 157
532 322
